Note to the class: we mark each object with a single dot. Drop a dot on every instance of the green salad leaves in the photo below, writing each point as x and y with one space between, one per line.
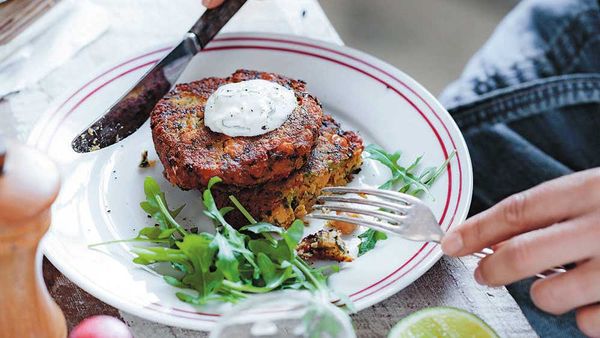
228 264
407 180
368 239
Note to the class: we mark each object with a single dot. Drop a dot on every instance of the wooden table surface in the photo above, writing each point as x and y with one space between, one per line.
449 282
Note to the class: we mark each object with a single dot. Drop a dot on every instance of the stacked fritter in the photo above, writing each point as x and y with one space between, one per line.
277 176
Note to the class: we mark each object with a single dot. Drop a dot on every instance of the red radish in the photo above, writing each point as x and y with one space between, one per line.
101 327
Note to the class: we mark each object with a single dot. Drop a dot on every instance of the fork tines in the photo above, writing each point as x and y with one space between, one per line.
359 221
387 212
395 207
387 194
377 214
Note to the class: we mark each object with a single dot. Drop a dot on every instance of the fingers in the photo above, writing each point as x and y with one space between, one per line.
588 320
528 254
212 3
563 292
546 204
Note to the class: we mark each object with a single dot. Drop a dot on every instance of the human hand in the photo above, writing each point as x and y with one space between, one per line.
212 3
555 223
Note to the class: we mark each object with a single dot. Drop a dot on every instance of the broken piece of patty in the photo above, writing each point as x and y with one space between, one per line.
324 244
191 153
334 160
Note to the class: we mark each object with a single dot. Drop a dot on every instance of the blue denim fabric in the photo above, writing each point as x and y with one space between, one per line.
528 104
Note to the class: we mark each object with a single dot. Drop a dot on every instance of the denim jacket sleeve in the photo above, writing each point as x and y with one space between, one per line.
538 39
528 102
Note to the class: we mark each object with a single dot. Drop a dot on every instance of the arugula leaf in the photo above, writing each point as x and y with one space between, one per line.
279 251
242 209
267 267
236 240
166 233
145 235
201 255
401 176
283 249
150 232
226 260
293 235
227 265
368 239
150 255
156 206
174 281
315 279
430 175
273 275
209 203
378 154
331 268
262 227
406 180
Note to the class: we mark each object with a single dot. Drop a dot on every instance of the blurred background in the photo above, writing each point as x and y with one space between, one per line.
431 40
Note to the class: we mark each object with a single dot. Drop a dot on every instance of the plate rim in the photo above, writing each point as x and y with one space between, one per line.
372 298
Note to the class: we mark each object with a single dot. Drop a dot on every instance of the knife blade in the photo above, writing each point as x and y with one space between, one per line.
130 112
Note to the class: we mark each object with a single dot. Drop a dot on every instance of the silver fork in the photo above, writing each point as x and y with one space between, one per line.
390 211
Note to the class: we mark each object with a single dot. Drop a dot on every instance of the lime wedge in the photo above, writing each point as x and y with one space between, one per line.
444 322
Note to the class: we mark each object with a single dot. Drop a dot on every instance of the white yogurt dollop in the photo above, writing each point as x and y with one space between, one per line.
249 108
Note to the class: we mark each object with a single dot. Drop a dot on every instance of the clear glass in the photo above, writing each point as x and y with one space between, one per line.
296 314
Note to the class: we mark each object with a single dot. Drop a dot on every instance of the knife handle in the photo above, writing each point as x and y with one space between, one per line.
211 22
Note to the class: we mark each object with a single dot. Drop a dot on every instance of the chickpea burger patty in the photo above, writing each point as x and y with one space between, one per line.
191 153
334 160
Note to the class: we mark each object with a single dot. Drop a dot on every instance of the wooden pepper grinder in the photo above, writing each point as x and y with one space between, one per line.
29 183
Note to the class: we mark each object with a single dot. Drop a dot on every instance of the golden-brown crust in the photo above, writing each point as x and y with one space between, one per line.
192 154
333 161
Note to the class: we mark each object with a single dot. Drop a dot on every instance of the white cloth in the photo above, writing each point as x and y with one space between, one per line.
48 43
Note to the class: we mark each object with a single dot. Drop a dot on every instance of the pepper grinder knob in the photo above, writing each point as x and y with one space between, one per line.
29 184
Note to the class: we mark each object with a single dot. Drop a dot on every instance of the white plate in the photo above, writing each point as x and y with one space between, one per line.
101 191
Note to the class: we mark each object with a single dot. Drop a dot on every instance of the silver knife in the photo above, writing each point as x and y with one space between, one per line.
133 109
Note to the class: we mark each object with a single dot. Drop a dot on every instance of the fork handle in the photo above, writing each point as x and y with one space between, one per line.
488 251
